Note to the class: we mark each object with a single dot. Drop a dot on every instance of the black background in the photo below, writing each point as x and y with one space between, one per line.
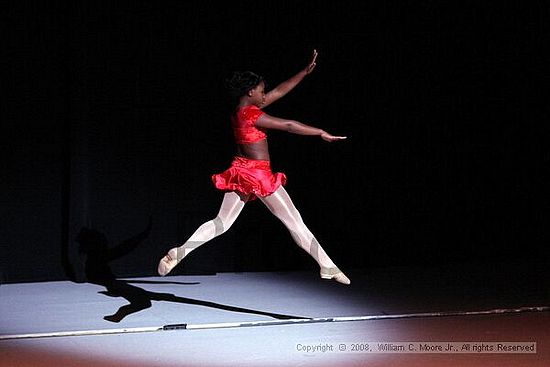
113 114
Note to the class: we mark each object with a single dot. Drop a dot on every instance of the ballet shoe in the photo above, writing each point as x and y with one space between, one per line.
168 262
336 274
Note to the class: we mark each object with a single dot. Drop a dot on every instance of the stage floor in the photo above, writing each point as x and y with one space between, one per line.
52 307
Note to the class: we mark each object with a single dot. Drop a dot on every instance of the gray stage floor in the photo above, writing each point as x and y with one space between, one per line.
47 307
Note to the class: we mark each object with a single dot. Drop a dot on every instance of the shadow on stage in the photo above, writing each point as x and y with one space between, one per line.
99 254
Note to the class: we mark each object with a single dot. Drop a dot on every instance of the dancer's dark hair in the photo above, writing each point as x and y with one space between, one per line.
240 82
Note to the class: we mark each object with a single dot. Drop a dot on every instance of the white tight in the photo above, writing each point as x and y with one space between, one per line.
279 203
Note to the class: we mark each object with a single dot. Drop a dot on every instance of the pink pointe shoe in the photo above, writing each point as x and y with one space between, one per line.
168 262
336 274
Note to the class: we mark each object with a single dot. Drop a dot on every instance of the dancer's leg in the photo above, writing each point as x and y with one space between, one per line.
280 204
230 209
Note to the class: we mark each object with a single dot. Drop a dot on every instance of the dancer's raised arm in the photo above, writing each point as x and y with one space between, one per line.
286 86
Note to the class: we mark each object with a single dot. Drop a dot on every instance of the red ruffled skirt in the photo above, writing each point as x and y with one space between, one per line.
249 177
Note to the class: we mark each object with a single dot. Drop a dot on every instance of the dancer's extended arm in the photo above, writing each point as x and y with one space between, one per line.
294 127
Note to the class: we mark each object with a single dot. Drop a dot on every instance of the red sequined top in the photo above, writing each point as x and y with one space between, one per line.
244 125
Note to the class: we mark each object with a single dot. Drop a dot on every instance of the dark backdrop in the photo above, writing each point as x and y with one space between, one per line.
113 117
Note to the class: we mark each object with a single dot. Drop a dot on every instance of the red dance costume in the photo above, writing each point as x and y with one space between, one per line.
248 176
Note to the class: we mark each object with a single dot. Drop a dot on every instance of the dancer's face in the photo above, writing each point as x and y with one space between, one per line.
257 94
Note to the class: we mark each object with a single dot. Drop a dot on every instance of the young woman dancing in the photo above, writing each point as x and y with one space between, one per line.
250 176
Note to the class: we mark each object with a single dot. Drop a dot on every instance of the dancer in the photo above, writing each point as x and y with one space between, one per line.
250 176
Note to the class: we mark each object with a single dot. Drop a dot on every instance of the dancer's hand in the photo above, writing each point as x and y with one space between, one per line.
313 63
330 138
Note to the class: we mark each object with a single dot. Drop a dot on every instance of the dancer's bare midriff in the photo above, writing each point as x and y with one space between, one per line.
258 150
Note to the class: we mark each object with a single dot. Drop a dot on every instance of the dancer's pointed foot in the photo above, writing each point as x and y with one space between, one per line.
168 262
336 274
